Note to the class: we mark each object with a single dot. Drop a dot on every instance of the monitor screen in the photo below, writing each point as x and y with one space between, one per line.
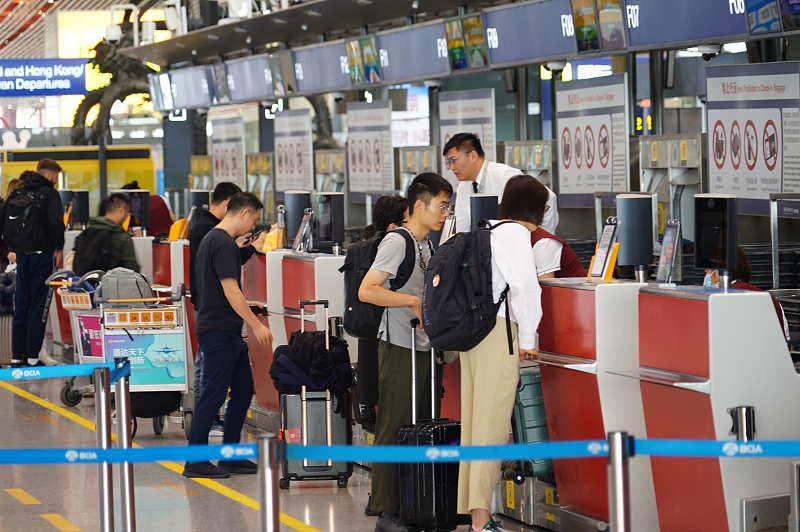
456 45
790 13
155 92
612 25
763 16
371 60
715 228
477 52
585 22
250 79
324 220
166 91
283 76
355 62
217 80
190 88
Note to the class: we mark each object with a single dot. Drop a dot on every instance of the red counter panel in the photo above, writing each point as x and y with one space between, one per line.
572 400
64 323
673 334
161 265
298 282
689 491
254 278
568 322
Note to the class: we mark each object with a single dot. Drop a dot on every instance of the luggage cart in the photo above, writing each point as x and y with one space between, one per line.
77 297
152 334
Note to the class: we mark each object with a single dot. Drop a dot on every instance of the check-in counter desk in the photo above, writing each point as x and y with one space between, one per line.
586 331
179 258
703 351
162 271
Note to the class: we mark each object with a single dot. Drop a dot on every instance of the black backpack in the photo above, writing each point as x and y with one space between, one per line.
458 310
24 231
92 251
362 320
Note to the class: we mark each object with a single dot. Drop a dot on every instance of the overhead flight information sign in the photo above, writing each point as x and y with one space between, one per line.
654 22
754 133
321 67
42 77
414 53
507 31
250 79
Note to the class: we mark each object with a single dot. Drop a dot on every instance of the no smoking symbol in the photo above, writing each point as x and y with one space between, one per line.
750 145
736 145
602 146
566 148
719 145
590 152
770 145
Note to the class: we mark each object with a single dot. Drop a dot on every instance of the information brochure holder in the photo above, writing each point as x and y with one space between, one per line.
670 247
601 268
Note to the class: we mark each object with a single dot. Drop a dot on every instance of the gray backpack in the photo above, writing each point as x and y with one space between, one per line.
122 283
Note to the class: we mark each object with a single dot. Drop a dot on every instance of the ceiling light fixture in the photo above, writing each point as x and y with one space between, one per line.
312 13
279 21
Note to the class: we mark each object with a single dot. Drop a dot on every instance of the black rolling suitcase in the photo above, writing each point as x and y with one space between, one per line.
429 491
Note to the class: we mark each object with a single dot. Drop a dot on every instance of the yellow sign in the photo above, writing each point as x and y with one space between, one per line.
510 494
370 438
426 159
684 152
537 158
654 152
201 165
550 498
516 155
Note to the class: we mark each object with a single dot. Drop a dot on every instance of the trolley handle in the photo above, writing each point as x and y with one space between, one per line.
313 303
174 298
58 278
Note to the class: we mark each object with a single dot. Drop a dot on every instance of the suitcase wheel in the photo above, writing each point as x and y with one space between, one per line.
284 483
158 424
70 397
342 482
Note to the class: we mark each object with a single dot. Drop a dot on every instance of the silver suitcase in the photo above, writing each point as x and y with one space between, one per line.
5 338
309 418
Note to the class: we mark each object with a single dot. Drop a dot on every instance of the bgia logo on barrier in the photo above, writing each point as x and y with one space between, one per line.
229 452
597 447
73 456
733 449
19 374
433 453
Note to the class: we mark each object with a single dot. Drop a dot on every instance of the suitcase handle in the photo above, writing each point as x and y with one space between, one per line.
311 303
414 324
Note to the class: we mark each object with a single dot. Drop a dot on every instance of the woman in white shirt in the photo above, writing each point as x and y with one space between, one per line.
489 375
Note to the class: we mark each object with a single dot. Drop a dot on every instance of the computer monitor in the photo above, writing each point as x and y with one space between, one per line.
715 232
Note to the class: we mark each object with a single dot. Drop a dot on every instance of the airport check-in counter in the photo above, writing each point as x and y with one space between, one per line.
533 158
586 331
702 352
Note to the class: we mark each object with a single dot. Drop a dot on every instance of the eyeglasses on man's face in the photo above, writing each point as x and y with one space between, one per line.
451 161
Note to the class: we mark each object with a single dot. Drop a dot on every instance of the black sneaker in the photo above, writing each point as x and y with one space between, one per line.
390 523
369 511
15 364
238 467
204 470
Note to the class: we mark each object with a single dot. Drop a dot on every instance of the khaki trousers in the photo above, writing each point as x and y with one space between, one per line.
489 378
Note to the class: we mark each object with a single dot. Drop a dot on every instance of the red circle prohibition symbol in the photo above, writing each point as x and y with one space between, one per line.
770 145
578 147
590 152
736 145
751 145
602 146
566 148
719 145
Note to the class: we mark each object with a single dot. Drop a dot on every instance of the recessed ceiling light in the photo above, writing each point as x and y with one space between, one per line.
279 21
213 37
312 13
239 30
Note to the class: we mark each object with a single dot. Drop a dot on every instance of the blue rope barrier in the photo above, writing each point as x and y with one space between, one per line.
406 454
53 372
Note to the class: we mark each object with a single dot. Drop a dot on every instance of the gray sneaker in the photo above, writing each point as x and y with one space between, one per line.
390 523
491 526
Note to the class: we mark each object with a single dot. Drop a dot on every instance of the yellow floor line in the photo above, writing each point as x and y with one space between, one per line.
172 466
60 523
23 496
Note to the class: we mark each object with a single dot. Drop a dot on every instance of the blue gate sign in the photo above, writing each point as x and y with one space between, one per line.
42 77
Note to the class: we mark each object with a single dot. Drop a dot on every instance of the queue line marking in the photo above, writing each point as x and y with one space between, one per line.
213 485
60 522
23 496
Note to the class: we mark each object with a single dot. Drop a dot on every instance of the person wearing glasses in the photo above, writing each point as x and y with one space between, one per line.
464 156
429 205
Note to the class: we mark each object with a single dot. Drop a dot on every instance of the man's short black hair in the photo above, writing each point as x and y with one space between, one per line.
244 201
114 202
427 186
465 143
389 210
224 191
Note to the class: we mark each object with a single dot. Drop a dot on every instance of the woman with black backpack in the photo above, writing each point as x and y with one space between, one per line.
489 375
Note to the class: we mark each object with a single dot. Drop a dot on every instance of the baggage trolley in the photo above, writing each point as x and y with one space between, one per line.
77 298
151 333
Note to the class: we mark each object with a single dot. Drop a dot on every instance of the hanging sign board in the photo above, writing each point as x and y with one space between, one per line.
467 112
322 67
413 53
227 151
369 147
754 133
293 151
592 119
42 77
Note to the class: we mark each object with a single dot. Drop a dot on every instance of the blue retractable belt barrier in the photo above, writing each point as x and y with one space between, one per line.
60 372
719 449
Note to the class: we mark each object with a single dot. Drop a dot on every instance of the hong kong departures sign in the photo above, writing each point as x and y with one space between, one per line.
42 77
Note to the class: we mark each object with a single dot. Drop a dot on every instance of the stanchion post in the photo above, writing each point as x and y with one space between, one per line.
123 402
618 494
105 475
268 504
794 498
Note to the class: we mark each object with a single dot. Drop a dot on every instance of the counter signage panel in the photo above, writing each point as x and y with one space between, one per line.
414 53
612 25
585 20
790 12
655 22
471 112
754 133
321 68
293 151
369 143
763 16
283 77
190 88
593 138
250 80
506 31
364 61
217 81
456 45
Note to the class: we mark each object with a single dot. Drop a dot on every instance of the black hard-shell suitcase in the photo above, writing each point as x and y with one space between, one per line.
429 491
308 418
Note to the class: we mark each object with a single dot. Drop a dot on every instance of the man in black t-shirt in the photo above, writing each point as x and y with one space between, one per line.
221 312
205 222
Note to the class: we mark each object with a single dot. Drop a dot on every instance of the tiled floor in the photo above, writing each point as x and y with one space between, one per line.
64 497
